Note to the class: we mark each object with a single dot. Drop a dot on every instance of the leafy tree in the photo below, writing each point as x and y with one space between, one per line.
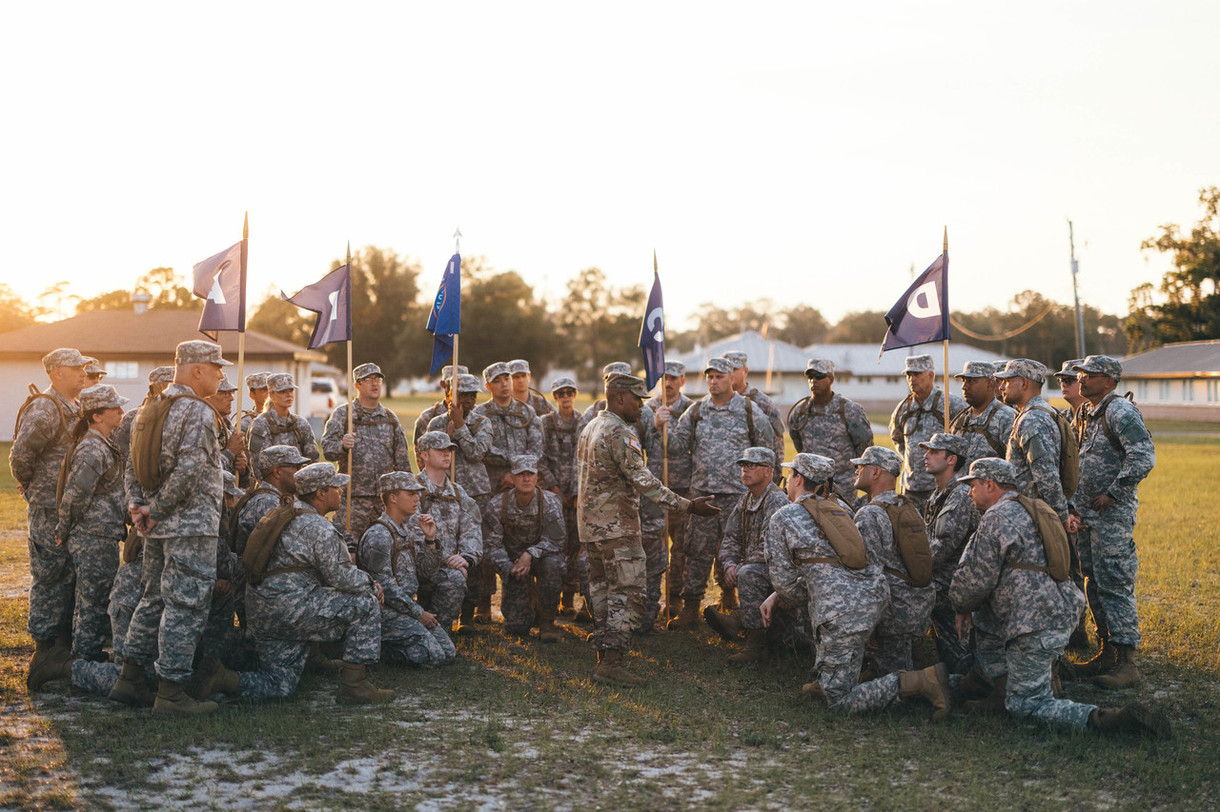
803 325
1191 292
167 289
599 324
282 319
14 312
501 320
859 327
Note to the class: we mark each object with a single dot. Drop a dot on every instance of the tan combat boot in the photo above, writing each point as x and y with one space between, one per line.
726 624
688 618
1134 718
172 700
50 662
1105 659
974 685
932 683
728 599
355 688
994 701
1124 674
548 632
482 613
130 689
211 677
755 648
610 669
567 604
814 689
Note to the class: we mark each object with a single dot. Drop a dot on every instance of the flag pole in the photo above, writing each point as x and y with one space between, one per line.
453 364
351 408
241 334
945 342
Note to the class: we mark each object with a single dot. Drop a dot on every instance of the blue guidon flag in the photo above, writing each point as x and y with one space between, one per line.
921 316
652 335
221 281
445 320
331 298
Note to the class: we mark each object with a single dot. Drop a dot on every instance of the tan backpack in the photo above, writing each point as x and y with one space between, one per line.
146 438
1069 449
911 539
1054 540
33 396
840 530
263 538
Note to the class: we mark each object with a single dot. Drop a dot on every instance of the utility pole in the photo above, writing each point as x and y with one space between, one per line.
1080 353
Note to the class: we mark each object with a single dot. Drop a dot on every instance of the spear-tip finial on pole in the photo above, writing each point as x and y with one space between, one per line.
654 260
457 240
946 238
245 227
349 254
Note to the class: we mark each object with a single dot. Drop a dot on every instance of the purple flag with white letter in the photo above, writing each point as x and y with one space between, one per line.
331 298
921 316
652 335
221 281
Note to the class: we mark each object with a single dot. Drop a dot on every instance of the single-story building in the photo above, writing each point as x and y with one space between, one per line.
130 344
1178 381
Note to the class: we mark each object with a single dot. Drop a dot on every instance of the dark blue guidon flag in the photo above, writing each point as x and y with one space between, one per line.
921 316
331 298
221 281
445 320
652 335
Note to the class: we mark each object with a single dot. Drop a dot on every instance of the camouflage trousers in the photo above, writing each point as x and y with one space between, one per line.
753 587
703 535
1029 658
905 620
98 678
571 551
96 560
444 592
220 637
1109 563
656 556
177 585
523 598
365 511
675 525
52 577
839 660
406 641
124 598
617 577
953 651
988 644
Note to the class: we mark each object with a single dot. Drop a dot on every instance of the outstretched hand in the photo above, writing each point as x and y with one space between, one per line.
702 506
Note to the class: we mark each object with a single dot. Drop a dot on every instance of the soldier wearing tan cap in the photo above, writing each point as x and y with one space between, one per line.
442 405
519 370
916 418
277 425
987 424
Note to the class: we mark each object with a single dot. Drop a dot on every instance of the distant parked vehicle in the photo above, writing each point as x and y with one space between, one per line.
324 396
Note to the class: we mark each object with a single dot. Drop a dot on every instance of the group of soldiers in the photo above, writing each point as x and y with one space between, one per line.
206 542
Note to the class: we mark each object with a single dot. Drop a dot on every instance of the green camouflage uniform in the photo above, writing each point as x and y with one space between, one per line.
557 470
912 423
380 447
271 429
840 430
986 433
742 547
458 531
952 519
1033 449
510 530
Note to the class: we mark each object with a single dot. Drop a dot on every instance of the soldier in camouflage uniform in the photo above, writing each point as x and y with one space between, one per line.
830 425
714 430
612 476
40 441
742 386
180 521
557 473
519 369
987 424
220 637
234 458
389 551
277 425
844 604
1034 446
441 406
1116 453
916 418
472 438
256 386
310 592
523 538
158 379
679 470
459 534
1003 585
742 555
94 372
1069 389
376 443
951 519
908 614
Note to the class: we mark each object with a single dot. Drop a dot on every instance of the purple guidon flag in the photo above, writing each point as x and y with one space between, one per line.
331 298
921 316
652 335
221 281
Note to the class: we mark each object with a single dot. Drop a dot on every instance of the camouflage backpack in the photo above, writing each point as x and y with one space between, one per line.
911 541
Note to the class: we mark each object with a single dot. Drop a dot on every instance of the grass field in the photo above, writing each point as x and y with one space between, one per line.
521 725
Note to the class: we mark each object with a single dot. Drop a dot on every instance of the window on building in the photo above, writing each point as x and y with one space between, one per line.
1213 390
892 379
122 370
1141 390
1188 391
1162 390
866 379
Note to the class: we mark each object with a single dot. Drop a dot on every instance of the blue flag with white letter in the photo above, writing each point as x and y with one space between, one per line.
445 320
652 335
331 298
921 316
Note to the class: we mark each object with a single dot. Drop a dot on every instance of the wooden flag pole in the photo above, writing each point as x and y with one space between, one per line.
351 408
241 335
945 303
453 363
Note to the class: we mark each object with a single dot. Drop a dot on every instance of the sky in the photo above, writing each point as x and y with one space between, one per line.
806 152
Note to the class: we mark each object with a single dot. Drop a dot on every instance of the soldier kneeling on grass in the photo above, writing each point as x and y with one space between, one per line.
308 591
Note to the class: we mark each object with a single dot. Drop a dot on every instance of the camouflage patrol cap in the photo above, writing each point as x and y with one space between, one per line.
615 368
447 372
199 352
675 368
434 440
736 358
997 367
280 382
812 467
564 383
522 463
1102 365
100 396
819 366
976 369
953 443
518 365
884 458
94 367
629 383
226 385
718 364
318 475
1069 369
397 481
1024 368
918 363
63 357
274 455
231 488
366 371
495 370
161 375
256 380
758 455
469 383
1002 472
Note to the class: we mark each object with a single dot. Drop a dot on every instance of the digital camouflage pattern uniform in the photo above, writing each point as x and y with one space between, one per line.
424 421
271 429
612 477
1033 449
743 547
986 433
913 422
1106 540
538 529
380 448
92 522
763 401
180 551
952 519
557 471
473 441
39 445
387 552
679 482
458 531
716 441
1028 613
514 429
840 430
